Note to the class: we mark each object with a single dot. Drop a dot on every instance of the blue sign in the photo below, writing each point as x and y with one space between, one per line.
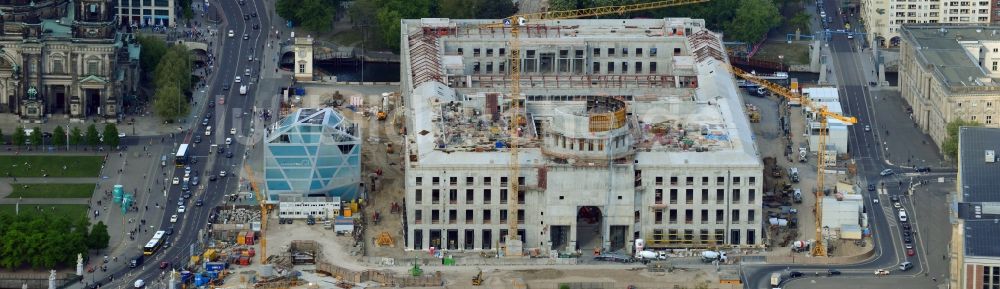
506 22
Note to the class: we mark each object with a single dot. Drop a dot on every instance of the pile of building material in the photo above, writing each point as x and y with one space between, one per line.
239 215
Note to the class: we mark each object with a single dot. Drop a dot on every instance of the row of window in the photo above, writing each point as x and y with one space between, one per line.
488 216
487 67
564 53
141 3
449 239
453 197
300 213
58 66
469 181
719 180
689 217
735 197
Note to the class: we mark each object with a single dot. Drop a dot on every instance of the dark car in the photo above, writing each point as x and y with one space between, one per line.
906 233
211 104
197 139
187 195
225 86
211 178
906 226
253 14
164 265
894 198
209 114
222 150
256 27
204 121
907 240
832 272
199 203
169 231
871 188
923 169
794 274
194 181
246 17
229 155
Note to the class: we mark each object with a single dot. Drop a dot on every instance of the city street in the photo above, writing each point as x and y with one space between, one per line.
145 171
870 150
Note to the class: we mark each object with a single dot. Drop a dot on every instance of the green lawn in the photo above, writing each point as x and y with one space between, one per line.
38 165
795 53
71 210
52 191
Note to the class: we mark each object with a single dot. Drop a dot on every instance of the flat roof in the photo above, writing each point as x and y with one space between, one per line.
451 127
978 177
942 48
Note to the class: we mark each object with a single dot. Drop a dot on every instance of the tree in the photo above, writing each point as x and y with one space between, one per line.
58 136
753 19
92 137
801 21
391 11
36 136
488 9
316 16
75 136
288 9
111 135
174 68
950 144
169 103
153 49
20 137
98 237
458 9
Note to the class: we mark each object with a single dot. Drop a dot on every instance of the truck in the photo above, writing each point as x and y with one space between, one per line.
797 195
243 89
712 256
801 246
793 173
775 279
652 255
136 262
803 154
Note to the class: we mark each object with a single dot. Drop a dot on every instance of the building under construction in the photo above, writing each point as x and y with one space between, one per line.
630 129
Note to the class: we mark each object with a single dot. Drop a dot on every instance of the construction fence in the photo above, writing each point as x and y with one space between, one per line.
386 278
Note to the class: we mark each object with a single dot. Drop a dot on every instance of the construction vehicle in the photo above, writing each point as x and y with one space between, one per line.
478 279
792 95
513 246
381 115
264 209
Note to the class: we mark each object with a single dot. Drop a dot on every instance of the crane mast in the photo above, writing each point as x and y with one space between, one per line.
818 249
514 246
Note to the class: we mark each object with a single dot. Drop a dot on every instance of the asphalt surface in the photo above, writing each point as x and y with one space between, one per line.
235 112
868 149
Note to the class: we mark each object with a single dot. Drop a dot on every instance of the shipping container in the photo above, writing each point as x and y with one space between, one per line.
240 236
195 259
249 239
346 212
186 276
214 266
245 261
251 252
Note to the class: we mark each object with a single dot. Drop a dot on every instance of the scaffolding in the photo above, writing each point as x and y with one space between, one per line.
572 81
425 56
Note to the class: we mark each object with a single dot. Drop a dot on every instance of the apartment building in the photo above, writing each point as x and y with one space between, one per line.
629 129
884 18
949 73
142 13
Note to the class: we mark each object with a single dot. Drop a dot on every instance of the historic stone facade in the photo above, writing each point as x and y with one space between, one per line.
64 57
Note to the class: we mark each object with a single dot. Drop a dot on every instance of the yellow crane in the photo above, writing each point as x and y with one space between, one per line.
514 23
819 249
264 209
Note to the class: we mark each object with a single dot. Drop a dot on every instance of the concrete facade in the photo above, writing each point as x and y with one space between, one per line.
630 129
884 19
303 58
143 13
64 57
837 138
949 73
312 152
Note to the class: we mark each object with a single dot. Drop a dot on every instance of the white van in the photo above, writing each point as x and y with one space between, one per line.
902 216
208 130
905 266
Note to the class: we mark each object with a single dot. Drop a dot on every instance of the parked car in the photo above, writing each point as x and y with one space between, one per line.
886 172
173 218
181 209
832 272
794 274
910 252
871 187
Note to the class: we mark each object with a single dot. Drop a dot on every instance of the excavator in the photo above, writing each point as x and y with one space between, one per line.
478 279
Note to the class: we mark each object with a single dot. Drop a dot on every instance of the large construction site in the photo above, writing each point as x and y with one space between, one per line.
630 129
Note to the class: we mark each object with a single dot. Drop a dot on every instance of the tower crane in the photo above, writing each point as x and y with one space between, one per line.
514 23
264 209
819 248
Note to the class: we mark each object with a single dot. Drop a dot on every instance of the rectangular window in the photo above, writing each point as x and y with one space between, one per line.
638 67
704 216
92 67
597 67
659 181
658 217
658 197
720 196
487 181
435 181
611 52
752 196
468 217
453 181
503 216
503 52
736 196
435 216
435 196
704 196
689 196
677 51
420 181
611 67
689 181
470 181
489 52
752 181
736 216
302 68
673 196
720 181
688 216
704 181
672 216
469 196
453 196
751 216
503 196
652 52
652 67
487 198
736 181
638 52
418 196
418 216
487 217
597 52
452 216
673 181
720 216
624 51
